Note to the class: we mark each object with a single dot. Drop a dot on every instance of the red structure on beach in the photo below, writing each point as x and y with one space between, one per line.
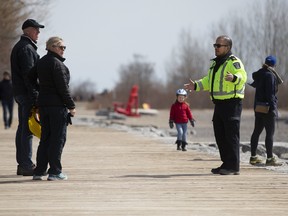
131 108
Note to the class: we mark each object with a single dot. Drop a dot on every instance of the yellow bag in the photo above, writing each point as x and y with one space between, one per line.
34 124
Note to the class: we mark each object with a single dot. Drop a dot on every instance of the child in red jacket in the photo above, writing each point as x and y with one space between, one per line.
180 114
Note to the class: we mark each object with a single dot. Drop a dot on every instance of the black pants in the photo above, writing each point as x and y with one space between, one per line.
53 137
226 123
24 136
262 121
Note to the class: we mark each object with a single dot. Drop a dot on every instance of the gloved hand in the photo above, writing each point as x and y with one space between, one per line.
69 120
192 122
171 125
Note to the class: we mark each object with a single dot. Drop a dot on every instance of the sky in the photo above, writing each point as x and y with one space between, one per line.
102 35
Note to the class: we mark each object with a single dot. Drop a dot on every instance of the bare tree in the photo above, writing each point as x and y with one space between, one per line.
259 34
190 60
83 90
235 27
268 34
12 15
140 72
256 34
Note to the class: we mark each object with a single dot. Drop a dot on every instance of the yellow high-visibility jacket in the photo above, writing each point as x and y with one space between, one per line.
223 89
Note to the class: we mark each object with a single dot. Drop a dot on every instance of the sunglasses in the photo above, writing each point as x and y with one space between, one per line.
218 45
61 47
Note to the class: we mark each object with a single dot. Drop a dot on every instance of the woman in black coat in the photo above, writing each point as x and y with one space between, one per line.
55 107
266 84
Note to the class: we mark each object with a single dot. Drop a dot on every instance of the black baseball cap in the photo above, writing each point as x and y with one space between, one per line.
31 23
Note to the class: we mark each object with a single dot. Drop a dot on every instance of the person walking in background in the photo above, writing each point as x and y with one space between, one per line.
266 84
24 56
226 83
6 96
180 113
54 101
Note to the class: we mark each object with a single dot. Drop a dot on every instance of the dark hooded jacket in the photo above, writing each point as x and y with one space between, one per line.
6 90
266 88
53 77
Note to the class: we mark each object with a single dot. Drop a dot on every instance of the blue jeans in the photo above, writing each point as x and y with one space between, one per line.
7 112
23 134
53 138
181 131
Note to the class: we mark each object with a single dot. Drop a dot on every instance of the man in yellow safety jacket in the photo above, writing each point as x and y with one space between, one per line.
226 83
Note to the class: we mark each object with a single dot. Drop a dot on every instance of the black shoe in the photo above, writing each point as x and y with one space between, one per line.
25 172
179 143
184 144
229 172
216 170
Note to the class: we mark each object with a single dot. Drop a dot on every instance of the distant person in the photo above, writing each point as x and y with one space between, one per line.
266 84
24 56
55 105
6 96
226 83
180 113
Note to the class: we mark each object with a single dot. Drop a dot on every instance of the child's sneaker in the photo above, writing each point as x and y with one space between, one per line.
272 162
254 160
60 176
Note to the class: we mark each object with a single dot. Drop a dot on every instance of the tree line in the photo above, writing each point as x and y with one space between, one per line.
261 31
12 15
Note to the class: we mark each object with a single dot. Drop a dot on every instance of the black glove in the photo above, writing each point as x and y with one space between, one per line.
171 125
69 120
192 121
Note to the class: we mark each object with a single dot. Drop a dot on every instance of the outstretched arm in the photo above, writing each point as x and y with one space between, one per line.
190 86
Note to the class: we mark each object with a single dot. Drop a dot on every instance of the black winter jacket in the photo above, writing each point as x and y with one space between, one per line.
266 87
52 78
24 56
6 90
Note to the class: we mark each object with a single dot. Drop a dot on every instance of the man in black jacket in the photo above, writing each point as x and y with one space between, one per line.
266 84
24 56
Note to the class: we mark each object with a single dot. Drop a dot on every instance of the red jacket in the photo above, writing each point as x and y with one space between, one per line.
180 112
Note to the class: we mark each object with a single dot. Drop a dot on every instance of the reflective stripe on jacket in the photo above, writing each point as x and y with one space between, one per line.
223 89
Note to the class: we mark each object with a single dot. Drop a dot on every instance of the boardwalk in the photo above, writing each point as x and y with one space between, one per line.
113 172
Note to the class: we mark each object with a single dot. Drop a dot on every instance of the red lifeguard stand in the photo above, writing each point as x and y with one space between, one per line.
131 108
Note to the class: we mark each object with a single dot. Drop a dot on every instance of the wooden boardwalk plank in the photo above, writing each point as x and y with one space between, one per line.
113 172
